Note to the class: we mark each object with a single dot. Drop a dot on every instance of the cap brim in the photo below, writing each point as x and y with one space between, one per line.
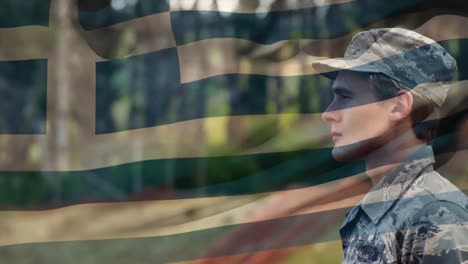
330 67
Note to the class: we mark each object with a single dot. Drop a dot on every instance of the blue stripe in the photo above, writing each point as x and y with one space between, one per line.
160 104
108 15
172 179
24 13
23 94
268 28
151 82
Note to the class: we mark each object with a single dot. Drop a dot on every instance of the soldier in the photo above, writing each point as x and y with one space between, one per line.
388 90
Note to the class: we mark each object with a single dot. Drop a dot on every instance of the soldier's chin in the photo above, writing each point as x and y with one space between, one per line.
352 152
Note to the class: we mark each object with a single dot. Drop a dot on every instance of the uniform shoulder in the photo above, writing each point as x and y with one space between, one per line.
438 233
441 189
442 212
433 196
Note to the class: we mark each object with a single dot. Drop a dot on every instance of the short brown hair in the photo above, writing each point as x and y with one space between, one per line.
385 88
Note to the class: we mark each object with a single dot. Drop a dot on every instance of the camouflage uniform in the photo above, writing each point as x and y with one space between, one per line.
413 215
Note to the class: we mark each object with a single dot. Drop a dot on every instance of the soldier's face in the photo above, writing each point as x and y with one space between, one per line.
358 120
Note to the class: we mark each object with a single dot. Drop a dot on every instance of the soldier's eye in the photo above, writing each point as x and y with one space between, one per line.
343 96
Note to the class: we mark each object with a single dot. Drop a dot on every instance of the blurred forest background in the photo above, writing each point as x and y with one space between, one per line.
91 113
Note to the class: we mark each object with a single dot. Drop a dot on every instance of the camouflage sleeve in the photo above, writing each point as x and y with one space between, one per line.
437 234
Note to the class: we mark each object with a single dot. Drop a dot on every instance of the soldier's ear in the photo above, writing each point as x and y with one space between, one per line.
402 106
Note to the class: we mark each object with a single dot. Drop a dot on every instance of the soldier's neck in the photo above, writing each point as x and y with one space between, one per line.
385 159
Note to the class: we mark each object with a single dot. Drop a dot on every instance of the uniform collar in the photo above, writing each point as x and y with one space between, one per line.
391 187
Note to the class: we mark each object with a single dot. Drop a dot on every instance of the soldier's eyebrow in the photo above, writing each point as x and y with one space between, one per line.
341 91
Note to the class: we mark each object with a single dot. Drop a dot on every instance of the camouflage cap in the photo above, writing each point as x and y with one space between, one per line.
403 55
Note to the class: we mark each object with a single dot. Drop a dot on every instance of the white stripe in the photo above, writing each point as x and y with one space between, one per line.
170 141
133 37
235 6
118 220
180 137
25 43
